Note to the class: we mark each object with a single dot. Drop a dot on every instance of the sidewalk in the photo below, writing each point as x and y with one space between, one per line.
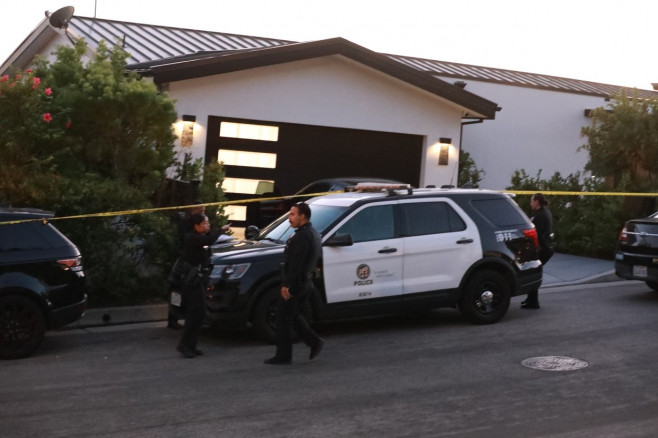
561 270
564 269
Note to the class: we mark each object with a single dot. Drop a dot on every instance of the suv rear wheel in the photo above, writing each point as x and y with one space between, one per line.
22 326
486 298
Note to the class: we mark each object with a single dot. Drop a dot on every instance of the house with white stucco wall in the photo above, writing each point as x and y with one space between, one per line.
333 108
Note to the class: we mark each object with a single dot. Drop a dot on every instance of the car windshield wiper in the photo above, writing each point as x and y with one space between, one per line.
271 240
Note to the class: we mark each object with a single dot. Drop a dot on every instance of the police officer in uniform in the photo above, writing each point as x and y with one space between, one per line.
184 226
195 255
300 259
543 220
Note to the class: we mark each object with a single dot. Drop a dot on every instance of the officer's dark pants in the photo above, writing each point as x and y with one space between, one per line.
194 314
290 319
544 256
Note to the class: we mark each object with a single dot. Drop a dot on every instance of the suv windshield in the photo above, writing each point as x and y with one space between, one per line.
321 217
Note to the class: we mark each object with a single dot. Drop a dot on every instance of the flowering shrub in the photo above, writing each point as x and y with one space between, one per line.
82 136
28 126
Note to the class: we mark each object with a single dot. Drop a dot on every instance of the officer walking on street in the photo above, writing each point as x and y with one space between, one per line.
300 259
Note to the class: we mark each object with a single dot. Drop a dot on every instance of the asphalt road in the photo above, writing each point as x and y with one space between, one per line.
429 375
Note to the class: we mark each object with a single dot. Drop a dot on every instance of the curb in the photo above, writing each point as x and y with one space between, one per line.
603 277
108 316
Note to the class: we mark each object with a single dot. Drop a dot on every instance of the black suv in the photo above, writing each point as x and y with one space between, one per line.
387 251
636 257
41 281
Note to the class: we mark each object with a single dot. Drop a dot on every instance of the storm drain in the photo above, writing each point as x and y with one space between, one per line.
554 363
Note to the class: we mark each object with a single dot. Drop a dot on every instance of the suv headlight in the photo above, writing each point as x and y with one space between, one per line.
229 272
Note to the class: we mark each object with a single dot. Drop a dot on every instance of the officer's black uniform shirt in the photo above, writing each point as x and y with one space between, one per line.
301 255
194 252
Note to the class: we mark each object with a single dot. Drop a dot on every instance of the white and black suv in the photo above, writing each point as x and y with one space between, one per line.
387 251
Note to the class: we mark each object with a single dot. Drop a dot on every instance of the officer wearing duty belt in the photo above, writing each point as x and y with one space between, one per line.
301 255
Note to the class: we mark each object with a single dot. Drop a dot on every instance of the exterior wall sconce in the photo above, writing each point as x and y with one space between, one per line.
187 132
444 150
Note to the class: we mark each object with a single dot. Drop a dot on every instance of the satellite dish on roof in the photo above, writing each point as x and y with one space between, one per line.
61 17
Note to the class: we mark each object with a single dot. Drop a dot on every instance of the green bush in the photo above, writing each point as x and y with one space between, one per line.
586 225
81 138
469 175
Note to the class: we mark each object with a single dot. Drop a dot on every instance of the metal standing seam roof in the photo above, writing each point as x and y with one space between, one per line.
146 43
522 79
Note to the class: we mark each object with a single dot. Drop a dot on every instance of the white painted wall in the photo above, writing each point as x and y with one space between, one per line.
536 129
331 91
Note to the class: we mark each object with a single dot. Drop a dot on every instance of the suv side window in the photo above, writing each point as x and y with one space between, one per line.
371 223
424 218
317 188
30 236
20 237
502 212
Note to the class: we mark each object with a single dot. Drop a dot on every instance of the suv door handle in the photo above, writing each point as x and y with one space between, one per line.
464 240
387 250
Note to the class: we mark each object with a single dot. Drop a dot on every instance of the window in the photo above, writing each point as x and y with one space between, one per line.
236 212
321 217
247 159
316 188
30 236
371 223
430 218
501 212
248 186
249 131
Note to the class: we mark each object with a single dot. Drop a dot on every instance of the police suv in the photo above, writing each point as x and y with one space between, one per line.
386 249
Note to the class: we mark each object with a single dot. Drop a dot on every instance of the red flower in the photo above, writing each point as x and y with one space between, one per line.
68 124
48 91
35 82
5 78
28 71
47 117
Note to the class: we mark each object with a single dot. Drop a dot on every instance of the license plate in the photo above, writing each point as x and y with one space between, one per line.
640 271
176 299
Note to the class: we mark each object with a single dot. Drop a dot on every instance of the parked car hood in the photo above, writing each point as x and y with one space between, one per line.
244 249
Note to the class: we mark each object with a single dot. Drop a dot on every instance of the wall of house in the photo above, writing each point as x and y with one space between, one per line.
330 91
535 130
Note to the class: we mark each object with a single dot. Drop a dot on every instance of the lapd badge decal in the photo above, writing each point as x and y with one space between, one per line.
362 272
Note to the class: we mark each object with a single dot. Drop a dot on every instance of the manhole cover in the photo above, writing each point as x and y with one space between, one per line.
554 363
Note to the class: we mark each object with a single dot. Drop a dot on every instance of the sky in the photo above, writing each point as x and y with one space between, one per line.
605 41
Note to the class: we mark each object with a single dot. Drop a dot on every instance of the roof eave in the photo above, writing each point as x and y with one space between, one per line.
224 63
30 47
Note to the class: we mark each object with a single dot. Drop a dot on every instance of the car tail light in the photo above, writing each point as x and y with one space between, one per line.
74 264
623 236
532 233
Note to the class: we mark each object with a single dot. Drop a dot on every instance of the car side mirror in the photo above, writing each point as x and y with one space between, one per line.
341 240
251 232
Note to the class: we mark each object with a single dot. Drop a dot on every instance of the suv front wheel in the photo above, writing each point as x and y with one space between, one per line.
264 318
486 298
22 326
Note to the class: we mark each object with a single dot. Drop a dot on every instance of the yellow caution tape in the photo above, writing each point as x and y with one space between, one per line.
247 201
553 193
155 209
